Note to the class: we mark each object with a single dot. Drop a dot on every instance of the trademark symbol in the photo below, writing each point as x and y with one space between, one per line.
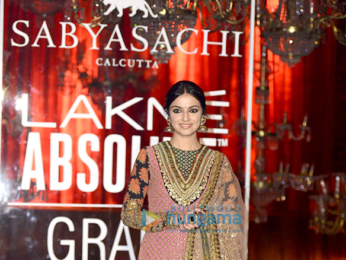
222 142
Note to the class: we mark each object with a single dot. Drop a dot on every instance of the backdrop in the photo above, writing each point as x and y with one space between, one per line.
80 102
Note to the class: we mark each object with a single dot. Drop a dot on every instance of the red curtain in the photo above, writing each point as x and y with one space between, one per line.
37 71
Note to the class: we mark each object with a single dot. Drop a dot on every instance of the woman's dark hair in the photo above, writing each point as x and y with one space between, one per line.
181 88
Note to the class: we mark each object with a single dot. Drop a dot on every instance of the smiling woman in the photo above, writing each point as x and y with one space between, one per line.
185 106
182 172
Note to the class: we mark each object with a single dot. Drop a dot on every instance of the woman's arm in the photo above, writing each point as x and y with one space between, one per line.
132 214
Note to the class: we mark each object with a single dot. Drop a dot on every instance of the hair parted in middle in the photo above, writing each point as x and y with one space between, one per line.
181 88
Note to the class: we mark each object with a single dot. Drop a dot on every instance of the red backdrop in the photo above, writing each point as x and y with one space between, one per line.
308 88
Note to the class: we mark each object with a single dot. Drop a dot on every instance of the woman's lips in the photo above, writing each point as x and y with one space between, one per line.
185 126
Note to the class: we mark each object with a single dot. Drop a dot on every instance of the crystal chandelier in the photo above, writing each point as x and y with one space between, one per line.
73 69
11 105
177 15
294 30
43 8
173 17
12 114
225 14
329 206
77 9
267 187
212 13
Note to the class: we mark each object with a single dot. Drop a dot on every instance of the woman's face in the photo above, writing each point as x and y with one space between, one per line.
185 113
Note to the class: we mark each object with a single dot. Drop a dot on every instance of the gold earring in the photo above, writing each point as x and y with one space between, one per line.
202 128
169 128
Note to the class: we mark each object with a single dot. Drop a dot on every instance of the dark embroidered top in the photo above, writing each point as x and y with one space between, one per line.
185 160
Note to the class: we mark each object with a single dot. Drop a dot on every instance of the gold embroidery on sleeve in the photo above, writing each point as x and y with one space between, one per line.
131 214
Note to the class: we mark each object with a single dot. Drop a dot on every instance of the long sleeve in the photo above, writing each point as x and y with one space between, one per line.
132 214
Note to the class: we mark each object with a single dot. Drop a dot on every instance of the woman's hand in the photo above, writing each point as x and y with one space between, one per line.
190 226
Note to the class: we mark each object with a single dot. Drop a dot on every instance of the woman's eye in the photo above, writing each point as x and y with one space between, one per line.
194 110
176 110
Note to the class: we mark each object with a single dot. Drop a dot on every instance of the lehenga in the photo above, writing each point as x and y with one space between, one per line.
176 181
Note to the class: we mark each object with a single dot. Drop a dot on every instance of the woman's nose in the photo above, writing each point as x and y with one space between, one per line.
186 116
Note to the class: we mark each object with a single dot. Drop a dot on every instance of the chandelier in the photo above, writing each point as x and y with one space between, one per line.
96 9
11 105
267 187
294 30
43 8
172 17
329 206
104 85
224 14
269 135
211 12
12 114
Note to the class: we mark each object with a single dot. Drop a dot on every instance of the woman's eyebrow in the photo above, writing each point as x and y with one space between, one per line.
189 107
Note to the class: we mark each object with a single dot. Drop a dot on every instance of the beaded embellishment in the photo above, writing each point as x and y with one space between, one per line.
184 191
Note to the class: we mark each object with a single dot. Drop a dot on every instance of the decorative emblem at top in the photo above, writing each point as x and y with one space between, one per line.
135 5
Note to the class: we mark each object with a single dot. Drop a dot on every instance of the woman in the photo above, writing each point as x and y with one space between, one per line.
195 206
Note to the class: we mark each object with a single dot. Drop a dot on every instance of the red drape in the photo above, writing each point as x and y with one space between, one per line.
36 70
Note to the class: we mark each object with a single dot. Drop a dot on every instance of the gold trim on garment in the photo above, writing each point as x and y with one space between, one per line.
184 191
214 250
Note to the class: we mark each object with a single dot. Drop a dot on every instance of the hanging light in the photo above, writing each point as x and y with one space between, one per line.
294 30
42 8
170 16
290 31
76 9
216 14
